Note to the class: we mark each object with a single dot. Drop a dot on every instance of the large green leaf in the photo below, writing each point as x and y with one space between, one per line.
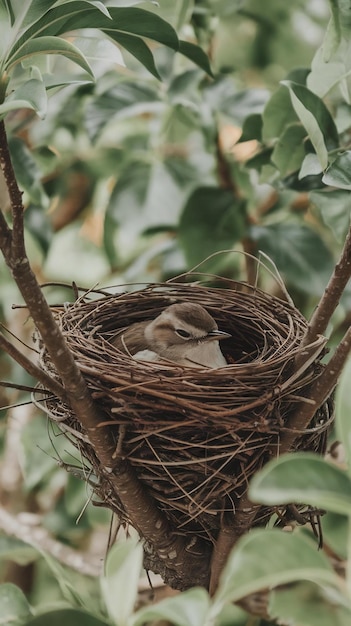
68 617
303 478
75 15
278 114
12 549
335 531
29 95
212 220
298 252
51 45
190 608
137 48
316 119
289 150
268 558
14 607
125 99
335 209
63 262
195 54
222 95
307 604
338 173
126 26
149 195
27 12
27 172
120 581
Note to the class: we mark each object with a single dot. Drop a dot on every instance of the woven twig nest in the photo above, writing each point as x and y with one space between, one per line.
194 436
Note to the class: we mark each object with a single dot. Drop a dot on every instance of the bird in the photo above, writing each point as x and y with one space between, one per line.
183 333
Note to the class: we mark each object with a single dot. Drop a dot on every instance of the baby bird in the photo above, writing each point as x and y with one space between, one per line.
184 333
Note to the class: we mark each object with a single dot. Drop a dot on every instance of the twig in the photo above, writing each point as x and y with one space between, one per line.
49 383
229 534
319 392
332 294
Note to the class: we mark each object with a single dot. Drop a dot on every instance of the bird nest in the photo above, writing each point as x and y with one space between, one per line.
194 436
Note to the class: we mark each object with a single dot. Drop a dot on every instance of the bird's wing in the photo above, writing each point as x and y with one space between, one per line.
131 339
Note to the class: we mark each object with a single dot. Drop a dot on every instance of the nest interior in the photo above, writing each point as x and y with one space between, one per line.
194 436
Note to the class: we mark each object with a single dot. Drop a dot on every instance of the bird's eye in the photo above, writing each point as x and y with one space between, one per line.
183 333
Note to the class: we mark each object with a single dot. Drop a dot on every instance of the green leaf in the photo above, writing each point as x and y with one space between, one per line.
252 128
27 173
195 54
12 549
29 95
222 95
138 49
148 195
120 581
343 411
299 253
310 166
38 8
334 207
190 608
212 220
39 462
68 617
67 248
126 27
76 15
316 119
289 151
267 558
99 48
309 605
303 478
125 99
50 45
14 606
278 114
338 173
335 530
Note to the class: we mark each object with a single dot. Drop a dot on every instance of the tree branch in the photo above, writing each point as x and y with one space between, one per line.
332 294
319 392
143 513
47 381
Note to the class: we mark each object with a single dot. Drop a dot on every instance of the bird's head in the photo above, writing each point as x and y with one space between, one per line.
181 327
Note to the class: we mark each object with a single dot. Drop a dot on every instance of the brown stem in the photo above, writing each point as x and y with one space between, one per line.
319 392
48 383
332 294
229 534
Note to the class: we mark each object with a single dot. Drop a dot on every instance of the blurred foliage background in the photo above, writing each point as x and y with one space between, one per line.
132 179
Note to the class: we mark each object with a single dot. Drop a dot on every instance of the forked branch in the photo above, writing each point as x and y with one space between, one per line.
139 505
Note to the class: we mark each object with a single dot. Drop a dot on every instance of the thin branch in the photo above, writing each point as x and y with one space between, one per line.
49 383
332 294
229 534
319 392
15 194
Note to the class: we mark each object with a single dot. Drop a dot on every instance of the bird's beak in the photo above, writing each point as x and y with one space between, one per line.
217 335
